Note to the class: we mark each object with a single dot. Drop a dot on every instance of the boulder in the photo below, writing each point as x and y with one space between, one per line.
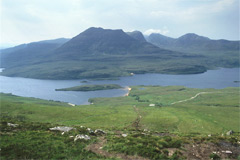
229 133
91 132
124 135
62 129
81 136
99 132
12 125
228 152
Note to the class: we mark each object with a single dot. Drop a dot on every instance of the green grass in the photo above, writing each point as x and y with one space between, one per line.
90 115
144 145
91 87
35 141
207 113
215 112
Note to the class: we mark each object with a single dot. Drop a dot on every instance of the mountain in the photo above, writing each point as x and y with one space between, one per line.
137 35
160 40
28 53
192 43
99 53
99 41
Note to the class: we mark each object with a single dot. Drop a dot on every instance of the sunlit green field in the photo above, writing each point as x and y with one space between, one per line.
213 111
159 122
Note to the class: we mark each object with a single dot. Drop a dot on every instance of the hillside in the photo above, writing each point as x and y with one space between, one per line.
223 53
137 35
28 53
153 122
99 53
190 42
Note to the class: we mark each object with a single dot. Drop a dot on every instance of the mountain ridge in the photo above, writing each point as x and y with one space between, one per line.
98 53
192 41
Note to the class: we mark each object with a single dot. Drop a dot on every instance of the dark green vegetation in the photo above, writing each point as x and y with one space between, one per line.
35 141
102 53
145 145
177 127
91 87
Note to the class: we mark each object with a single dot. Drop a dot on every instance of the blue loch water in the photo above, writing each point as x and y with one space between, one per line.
45 89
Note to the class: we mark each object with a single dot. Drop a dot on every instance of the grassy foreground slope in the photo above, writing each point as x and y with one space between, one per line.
152 122
211 111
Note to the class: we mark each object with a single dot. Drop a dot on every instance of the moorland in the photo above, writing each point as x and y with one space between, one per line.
152 122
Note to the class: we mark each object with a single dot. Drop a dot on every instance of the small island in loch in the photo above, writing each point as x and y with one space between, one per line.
91 87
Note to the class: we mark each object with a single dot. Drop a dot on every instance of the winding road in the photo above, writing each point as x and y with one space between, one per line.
191 97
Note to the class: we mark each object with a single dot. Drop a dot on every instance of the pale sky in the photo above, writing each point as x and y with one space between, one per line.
24 21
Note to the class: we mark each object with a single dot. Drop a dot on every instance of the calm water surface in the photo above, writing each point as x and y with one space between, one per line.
45 89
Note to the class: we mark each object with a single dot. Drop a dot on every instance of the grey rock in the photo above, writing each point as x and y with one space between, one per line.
229 133
81 136
62 129
12 125
228 152
124 135
91 132
99 132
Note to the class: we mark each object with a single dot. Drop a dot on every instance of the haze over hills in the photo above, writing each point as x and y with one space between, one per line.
192 43
29 53
100 53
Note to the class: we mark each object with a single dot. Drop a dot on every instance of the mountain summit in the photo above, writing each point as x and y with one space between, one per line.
192 43
192 37
137 35
99 53
97 41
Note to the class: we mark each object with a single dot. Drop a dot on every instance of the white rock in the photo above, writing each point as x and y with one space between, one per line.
63 129
81 136
12 125
228 152
99 131
124 135
229 133
151 105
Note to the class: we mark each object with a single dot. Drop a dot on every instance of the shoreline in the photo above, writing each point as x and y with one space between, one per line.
129 89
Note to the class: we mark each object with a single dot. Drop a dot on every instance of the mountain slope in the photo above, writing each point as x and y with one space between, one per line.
137 35
192 43
99 53
220 53
28 53
99 41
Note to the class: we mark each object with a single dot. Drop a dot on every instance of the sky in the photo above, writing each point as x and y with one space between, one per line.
24 21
